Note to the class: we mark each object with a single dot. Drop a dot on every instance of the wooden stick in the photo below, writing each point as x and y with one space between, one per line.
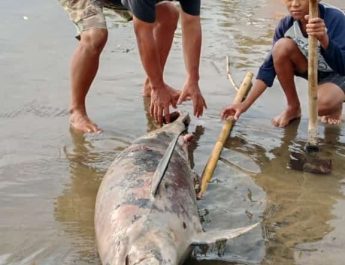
229 73
312 79
223 136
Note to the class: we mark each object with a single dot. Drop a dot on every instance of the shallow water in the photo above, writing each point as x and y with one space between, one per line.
49 176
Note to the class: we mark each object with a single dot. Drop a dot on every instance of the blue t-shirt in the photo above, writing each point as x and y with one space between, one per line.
145 10
331 59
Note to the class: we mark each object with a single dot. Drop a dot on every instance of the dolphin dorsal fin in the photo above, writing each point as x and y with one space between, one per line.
214 241
163 164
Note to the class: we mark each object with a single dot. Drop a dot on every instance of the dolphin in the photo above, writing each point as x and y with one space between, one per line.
146 210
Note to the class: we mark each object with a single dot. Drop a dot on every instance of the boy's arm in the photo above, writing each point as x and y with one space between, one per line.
259 87
265 78
235 110
334 54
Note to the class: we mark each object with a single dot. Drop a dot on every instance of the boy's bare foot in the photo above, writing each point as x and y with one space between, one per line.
332 119
147 88
329 119
287 116
81 122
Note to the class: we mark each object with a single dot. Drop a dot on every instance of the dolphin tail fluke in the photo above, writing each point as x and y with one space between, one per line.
214 242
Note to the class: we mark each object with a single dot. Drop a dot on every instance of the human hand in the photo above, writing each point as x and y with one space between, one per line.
191 91
161 99
316 27
233 111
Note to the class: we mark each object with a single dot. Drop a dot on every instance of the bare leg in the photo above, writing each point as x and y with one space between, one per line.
167 15
287 60
84 67
330 103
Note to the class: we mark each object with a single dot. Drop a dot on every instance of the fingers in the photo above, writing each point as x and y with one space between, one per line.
156 112
174 95
183 97
199 104
159 107
166 115
174 102
230 113
237 115
198 100
152 107
162 99
226 114
316 27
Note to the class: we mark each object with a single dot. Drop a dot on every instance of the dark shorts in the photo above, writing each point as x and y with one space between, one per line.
145 9
328 77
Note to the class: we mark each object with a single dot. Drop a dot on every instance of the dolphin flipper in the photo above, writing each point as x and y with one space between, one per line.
214 241
163 164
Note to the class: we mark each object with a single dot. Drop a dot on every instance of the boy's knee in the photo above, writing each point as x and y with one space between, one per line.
325 104
283 48
94 39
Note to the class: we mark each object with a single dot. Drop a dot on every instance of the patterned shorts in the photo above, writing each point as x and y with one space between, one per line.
87 14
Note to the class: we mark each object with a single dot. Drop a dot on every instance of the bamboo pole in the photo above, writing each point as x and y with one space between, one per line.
312 81
223 136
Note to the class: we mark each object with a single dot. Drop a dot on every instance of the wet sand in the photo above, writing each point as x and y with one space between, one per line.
49 176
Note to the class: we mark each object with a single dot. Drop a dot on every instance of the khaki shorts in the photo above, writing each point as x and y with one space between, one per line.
88 14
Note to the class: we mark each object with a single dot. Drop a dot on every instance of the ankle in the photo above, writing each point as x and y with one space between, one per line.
75 111
294 107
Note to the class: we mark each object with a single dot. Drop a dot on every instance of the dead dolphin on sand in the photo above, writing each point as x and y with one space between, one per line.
146 210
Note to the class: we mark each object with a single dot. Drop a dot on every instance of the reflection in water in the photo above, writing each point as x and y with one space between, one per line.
299 205
193 145
74 209
243 30
151 124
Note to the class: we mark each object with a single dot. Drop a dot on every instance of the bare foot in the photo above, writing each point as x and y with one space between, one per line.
287 116
82 123
147 88
332 119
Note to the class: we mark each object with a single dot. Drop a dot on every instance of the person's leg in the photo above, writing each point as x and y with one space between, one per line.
288 60
89 19
167 15
84 66
330 103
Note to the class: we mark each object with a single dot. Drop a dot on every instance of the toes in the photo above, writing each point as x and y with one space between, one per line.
330 120
84 125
